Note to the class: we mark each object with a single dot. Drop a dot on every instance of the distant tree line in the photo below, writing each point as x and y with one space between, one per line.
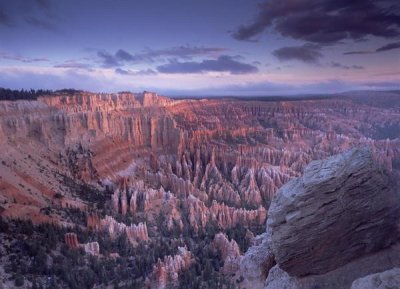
31 94
9 94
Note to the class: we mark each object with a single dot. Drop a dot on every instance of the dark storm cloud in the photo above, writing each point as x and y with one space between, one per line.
308 53
150 55
224 63
343 66
4 18
36 13
325 21
387 47
130 72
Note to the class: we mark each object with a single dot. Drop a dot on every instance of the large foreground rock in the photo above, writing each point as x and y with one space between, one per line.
340 278
340 209
389 279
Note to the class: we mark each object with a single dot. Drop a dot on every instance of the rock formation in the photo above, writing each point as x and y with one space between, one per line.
386 279
336 223
92 248
167 271
230 253
71 240
343 204
257 262
234 152
183 165
221 214
135 233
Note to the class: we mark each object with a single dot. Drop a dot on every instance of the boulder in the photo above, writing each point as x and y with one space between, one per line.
342 208
279 279
340 278
384 280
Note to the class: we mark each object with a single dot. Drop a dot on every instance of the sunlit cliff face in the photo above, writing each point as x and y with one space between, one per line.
213 155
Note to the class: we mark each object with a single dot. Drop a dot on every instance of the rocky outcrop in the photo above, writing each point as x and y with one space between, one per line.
93 222
343 204
257 262
135 233
230 253
382 280
226 217
71 240
92 248
279 279
335 224
342 277
167 271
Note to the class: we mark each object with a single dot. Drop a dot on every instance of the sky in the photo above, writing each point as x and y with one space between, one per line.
201 47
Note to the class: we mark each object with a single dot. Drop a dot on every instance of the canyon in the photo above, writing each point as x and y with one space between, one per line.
149 167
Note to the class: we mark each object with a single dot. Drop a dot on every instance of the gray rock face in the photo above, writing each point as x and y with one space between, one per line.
385 280
340 209
279 279
257 262
342 277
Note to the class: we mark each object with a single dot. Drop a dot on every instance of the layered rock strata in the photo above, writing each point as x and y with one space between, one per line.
343 204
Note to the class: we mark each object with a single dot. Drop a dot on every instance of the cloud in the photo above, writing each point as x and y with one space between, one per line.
108 59
45 4
72 63
20 58
107 80
325 21
130 72
37 13
123 55
387 47
4 18
347 67
39 23
390 46
308 53
224 63
150 55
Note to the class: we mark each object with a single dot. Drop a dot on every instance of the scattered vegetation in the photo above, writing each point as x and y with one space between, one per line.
38 254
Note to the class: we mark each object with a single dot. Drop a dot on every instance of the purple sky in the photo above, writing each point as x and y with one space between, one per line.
208 47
